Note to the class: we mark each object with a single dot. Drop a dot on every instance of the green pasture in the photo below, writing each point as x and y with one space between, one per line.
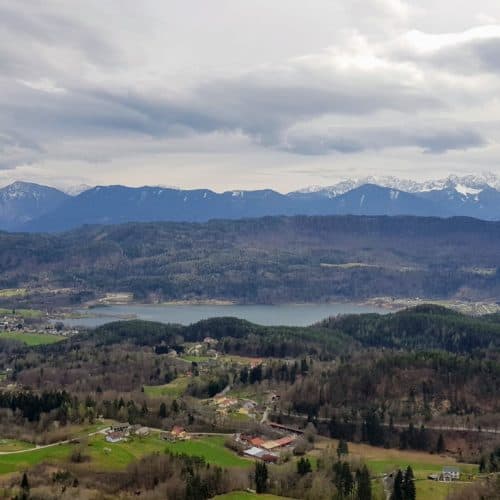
173 389
32 339
212 449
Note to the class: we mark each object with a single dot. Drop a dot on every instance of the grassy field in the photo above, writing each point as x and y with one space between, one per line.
435 490
174 389
116 456
212 449
32 339
13 292
197 359
104 455
21 461
24 313
14 445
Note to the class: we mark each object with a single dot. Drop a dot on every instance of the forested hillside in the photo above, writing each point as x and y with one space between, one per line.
272 259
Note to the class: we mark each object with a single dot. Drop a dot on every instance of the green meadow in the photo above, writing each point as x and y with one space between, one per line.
32 339
13 445
212 449
24 313
116 456
174 389
21 461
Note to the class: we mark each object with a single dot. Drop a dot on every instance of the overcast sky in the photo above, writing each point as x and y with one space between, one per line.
247 93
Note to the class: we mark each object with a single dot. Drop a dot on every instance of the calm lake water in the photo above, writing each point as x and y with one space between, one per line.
287 314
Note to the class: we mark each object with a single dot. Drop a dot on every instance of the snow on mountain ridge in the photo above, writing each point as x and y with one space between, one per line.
76 190
466 185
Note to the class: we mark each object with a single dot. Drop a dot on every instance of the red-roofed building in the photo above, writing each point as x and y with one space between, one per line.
285 441
257 441
178 432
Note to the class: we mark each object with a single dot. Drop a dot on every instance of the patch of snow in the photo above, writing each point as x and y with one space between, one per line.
467 190
76 190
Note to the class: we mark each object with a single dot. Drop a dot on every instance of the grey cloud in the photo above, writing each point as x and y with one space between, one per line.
431 141
470 57
444 140
270 105
28 34
261 104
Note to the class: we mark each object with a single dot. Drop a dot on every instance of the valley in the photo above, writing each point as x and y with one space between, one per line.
116 406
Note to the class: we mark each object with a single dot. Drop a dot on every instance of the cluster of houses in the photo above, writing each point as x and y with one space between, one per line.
265 449
121 432
226 404
206 348
16 324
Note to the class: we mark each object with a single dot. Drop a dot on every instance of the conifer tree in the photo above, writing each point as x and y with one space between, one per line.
163 410
342 448
440 444
409 492
364 485
397 490
260 477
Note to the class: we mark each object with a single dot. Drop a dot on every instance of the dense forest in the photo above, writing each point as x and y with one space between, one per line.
267 260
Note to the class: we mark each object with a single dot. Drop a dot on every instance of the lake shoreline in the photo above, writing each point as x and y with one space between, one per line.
188 313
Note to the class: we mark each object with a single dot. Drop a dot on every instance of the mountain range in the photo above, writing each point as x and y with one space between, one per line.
29 207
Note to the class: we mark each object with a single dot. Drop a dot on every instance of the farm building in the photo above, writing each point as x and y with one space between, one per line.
261 454
278 443
256 441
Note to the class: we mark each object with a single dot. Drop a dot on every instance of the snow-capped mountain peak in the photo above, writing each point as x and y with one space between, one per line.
466 185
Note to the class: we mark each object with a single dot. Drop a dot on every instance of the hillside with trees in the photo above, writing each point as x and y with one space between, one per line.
267 260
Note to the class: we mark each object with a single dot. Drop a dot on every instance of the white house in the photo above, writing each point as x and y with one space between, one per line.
450 473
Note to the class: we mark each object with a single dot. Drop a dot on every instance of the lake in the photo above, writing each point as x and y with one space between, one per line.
185 314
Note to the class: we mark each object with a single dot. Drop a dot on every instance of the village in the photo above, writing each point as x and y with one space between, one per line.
26 322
